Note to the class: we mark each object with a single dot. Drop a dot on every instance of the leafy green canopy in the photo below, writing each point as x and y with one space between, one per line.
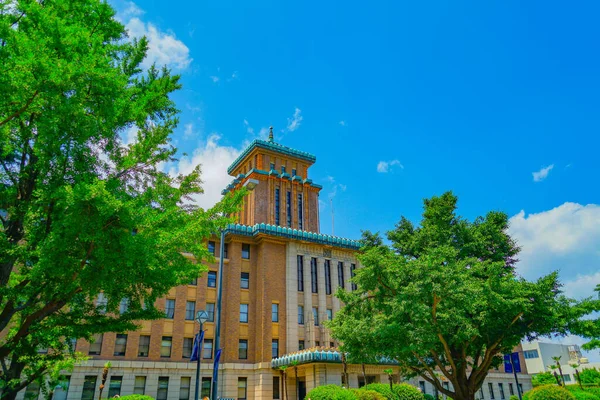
444 299
82 212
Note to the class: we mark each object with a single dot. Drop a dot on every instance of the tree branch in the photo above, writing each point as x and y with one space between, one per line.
21 110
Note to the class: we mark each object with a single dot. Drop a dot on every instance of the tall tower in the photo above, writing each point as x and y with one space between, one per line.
285 195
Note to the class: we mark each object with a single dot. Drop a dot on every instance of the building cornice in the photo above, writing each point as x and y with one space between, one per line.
272 146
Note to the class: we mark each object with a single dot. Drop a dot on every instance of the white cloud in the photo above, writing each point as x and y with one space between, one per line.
249 129
163 47
234 75
334 187
130 135
214 78
384 166
215 159
188 130
542 173
294 122
565 238
131 10
343 123
263 133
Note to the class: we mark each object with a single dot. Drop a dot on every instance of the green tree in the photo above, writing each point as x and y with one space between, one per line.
544 378
82 212
444 298
589 376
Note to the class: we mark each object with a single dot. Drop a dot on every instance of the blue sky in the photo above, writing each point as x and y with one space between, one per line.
400 101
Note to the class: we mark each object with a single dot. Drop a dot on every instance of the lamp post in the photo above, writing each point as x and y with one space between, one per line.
250 184
201 317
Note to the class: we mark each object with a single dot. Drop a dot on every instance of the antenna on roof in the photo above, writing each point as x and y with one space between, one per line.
270 133
332 217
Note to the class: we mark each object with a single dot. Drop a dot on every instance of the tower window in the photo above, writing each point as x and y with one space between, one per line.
288 207
300 216
327 277
277 206
341 274
272 166
313 275
293 172
300 261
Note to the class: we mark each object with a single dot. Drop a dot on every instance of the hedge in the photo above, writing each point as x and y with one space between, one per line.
549 392
136 397
330 392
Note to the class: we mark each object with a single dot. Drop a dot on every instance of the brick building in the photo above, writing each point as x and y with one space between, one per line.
279 277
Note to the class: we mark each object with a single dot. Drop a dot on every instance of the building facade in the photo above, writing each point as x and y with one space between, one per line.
279 277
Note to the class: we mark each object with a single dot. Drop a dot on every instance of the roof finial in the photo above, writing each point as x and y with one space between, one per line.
270 134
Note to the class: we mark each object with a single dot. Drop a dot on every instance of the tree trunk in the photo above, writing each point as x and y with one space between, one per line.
391 382
562 378
14 372
364 373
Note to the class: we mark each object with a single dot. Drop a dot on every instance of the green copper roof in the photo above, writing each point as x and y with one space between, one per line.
248 230
319 355
241 177
273 147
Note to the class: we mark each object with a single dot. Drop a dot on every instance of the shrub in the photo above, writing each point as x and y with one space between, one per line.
583 395
513 397
589 376
550 392
136 397
331 392
404 391
383 389
428 396
544 378
365 394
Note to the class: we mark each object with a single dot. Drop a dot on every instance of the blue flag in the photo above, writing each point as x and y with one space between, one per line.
197 344
216 365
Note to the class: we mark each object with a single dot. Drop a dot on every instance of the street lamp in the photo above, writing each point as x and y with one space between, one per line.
201 317
250 184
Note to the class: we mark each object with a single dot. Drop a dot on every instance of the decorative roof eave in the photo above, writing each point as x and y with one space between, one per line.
317 355
240 178
272 146
267 229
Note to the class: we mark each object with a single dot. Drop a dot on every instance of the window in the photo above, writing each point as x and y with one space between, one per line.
243 349
316 315
331 344
300 262
212 279
501 389
190 310
329 314
274 312
531 354
272 166
244 313
32 392
207 348
300 214
144 346
301 315
120 344
277 211
210 309
283 169
300 344
184 388
72 343
313 275
293 172
123 306
165 346
446 386
341 274
225 251
317 343
170 309
245 280
139 386
352 269
242 388
194 282
211 247
511 389
163 388
114 387
521 387
276 391
245 251
62 389
205 391
422 386
89 387
275 348
188 345
491 388
288 209
481 392
101 302
566 377
327 277
96 345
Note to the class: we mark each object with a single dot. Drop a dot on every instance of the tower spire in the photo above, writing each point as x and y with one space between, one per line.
270 133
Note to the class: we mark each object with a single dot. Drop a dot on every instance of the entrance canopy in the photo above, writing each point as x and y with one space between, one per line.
317 354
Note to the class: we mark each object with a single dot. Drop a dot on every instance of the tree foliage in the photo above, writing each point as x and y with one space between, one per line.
543 378
81 211
444 298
